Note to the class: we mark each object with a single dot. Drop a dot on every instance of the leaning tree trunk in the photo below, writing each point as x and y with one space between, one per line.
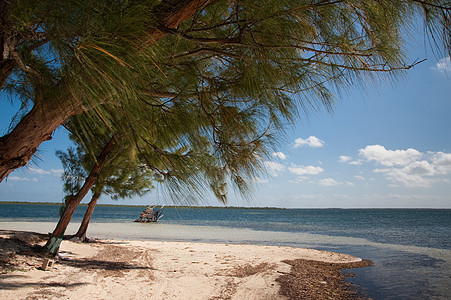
55 238
81 233
17 147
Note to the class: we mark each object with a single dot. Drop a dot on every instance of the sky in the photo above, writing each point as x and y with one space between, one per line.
385 146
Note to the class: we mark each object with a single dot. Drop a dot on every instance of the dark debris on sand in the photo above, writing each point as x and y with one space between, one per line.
19 250
319 280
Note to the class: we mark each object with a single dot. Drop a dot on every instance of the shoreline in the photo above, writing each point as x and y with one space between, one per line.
167 206
124 269
229 207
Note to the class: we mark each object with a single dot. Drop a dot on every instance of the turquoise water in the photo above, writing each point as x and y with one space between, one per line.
410 248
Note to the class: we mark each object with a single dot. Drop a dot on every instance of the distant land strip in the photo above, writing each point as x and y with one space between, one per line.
142 205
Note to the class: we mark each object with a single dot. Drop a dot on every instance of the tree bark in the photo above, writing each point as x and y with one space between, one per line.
6 68
81 233
17 147
172 13
7 62
75 200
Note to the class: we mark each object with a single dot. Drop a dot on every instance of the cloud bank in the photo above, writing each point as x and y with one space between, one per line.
410 167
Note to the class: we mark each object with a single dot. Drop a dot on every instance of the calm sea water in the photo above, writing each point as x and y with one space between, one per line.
410 248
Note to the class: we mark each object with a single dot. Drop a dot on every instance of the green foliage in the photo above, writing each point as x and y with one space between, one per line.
201 105
74 174
119 178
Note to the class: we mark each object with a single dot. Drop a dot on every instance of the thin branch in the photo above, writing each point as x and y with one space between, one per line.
230 41
160 94
317 50
432 5
382 68
144 156
21 64
36 45
228 23
205 51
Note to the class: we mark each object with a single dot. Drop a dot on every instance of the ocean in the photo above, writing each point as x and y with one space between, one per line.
410 248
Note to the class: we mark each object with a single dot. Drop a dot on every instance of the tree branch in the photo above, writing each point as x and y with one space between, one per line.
22 65
171 13
433 5
230 41
375 68
207 51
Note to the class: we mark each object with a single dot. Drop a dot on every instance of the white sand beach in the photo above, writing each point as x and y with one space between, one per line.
126 269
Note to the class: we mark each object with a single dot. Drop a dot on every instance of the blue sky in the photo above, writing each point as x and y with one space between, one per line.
388 146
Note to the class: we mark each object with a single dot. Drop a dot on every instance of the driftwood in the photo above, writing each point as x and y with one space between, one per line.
150 214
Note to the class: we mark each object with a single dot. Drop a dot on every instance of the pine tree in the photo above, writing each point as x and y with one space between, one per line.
119 178
234 73
123 167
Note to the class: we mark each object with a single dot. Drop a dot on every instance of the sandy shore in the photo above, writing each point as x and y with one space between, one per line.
121 269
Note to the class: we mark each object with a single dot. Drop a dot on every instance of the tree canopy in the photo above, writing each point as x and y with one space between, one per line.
194 83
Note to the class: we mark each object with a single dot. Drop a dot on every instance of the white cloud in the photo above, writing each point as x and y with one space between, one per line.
274 168
16 178
311 141
443 65
305 170
390 158
39 171
420 168
260 180
34 170
359 177
344 159
413 175
403 176
57 171
333 182
280 155
410 167
328 182
442 162
348 160
299 179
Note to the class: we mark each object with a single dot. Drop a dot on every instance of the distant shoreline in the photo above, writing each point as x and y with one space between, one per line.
144 205
233 207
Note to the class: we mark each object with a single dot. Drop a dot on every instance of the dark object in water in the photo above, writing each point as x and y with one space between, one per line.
150 215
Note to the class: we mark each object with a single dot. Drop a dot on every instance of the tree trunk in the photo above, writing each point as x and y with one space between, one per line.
7 63
6 68
17 147
81 233
55 238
